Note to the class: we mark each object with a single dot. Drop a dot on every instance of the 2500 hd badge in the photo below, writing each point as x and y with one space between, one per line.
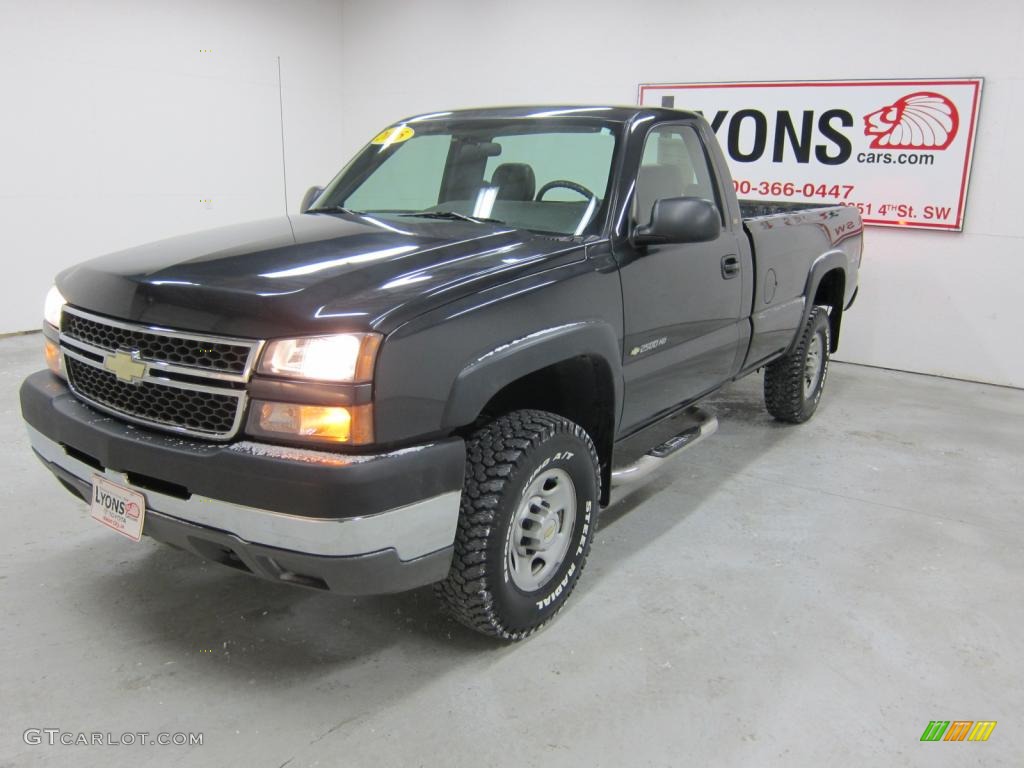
441 381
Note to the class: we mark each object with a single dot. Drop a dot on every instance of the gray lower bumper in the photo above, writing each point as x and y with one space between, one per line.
412 531
375 573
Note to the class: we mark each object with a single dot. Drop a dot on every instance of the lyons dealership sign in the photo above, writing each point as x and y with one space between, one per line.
898 150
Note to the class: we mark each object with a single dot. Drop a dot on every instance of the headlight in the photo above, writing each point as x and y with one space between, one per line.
345 357
53 306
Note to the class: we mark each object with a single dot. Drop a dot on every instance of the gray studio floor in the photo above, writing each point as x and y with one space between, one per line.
791 596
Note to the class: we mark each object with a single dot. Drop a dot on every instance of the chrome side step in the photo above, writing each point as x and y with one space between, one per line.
702 424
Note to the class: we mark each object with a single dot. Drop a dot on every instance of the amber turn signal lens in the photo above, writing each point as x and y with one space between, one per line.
352 425
54 360
367 357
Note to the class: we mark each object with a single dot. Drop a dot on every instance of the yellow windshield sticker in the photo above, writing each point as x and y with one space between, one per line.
394 135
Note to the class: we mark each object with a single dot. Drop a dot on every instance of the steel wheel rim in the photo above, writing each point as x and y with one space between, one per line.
542 530
813 364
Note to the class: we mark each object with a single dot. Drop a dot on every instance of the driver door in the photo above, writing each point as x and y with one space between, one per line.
681 301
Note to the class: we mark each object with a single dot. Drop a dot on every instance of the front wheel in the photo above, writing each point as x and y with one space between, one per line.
529 506
793 384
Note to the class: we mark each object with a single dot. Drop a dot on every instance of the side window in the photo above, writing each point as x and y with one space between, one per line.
410 179
673 165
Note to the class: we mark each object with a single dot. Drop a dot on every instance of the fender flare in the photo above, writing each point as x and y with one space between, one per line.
836 259
483 378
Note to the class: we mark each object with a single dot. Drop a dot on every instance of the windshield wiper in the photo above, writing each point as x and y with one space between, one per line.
334 209
452 215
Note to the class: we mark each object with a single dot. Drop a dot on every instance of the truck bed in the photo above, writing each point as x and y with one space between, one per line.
752 209
787 240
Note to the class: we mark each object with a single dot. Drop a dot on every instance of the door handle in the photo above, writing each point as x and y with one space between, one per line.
730 267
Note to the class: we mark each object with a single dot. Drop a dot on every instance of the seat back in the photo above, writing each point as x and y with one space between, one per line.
653 183
515 181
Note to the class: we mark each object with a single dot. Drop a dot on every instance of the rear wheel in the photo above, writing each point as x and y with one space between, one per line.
528 511
793 384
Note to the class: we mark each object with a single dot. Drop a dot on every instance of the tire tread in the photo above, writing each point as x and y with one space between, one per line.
493 454
783 378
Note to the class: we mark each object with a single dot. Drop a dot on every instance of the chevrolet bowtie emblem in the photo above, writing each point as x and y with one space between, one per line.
125 366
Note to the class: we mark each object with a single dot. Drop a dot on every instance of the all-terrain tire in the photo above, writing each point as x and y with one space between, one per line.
789 393
504 459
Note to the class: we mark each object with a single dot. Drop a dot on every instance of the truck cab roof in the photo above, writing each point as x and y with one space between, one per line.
607 112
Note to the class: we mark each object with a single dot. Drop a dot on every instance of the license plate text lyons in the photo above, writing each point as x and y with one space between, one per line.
118 507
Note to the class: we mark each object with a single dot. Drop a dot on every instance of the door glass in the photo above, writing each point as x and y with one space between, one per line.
673 165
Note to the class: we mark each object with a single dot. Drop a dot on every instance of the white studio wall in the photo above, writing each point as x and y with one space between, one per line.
937 303
125 122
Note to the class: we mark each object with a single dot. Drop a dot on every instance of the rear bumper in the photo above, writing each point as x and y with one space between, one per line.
352 524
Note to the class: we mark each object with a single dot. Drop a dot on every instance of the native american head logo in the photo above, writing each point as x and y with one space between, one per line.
922 120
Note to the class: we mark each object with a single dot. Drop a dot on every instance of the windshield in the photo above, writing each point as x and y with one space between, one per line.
548 175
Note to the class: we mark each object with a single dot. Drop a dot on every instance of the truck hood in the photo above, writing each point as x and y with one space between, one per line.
307 274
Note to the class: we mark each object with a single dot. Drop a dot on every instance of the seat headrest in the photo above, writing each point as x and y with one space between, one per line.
515 181
653 183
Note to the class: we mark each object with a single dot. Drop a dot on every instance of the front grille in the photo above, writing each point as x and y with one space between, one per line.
161 404
179 381
179 350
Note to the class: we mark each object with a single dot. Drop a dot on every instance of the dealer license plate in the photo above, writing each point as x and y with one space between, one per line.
118 507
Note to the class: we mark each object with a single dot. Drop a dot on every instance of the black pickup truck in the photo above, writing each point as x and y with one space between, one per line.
489 323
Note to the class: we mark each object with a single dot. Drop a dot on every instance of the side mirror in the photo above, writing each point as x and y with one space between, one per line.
309 198
680 220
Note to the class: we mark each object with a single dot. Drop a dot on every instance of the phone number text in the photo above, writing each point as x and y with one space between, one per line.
793 189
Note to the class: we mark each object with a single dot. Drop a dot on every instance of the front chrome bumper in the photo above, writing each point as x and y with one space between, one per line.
412 530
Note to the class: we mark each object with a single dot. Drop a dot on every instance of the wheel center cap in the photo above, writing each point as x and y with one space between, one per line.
548 531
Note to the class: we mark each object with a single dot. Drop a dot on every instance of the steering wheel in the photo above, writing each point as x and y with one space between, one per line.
567 185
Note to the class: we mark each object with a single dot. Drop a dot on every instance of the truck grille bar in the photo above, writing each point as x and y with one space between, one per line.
171 380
